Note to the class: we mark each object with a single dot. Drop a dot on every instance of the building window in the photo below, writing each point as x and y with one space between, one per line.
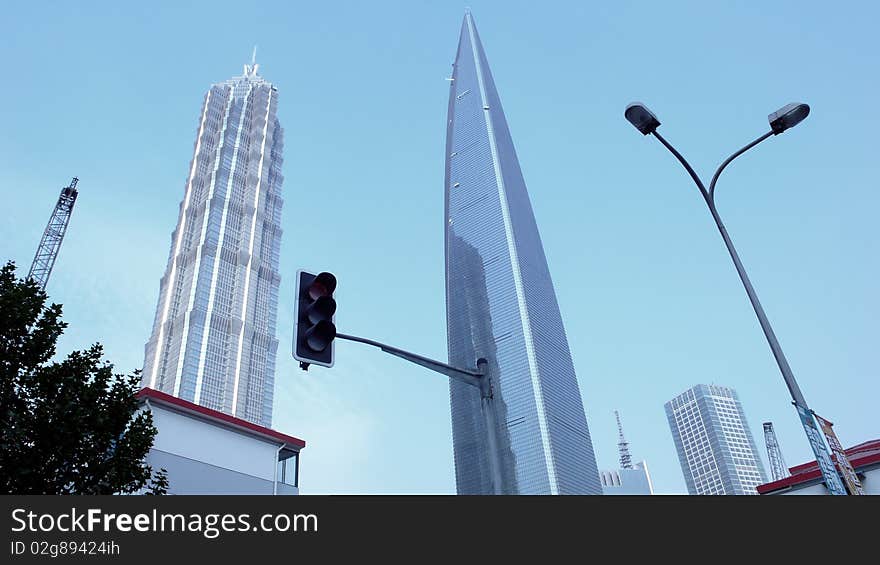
288 468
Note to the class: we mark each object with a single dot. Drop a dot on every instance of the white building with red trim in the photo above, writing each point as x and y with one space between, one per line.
807 479
206 451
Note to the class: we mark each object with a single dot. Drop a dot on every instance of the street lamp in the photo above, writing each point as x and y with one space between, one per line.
788 116
785 118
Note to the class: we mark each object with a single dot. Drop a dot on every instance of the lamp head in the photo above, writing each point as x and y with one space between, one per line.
788 116
643 119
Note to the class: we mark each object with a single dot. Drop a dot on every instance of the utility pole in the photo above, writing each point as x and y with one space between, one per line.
781 120
53 235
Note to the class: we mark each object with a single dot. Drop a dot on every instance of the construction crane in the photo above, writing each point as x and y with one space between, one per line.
778 470
50 243
623 446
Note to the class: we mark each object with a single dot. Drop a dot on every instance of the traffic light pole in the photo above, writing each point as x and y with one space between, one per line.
480 378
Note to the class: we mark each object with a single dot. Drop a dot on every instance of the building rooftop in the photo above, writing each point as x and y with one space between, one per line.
249 428
860 457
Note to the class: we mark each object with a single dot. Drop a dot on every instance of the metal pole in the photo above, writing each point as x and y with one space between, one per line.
823 458
709 197
468 376
487 403
481 378
787 375
275 477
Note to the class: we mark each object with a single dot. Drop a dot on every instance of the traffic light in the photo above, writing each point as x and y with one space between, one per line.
315 311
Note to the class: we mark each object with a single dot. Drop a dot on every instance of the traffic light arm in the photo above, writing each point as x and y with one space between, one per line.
479 378
471 377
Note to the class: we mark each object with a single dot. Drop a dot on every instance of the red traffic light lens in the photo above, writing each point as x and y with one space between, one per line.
323 285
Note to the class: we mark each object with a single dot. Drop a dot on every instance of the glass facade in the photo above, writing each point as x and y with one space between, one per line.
501 305
715 447
213 341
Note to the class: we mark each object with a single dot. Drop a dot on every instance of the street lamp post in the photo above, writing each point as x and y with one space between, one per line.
787 117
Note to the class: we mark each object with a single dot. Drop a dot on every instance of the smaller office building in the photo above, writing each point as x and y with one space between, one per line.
715 446
807 479
635 481
208 452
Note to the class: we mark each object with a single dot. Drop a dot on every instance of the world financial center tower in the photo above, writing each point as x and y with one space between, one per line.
213 341
500 304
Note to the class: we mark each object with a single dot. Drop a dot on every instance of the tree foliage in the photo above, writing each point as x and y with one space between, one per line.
69 426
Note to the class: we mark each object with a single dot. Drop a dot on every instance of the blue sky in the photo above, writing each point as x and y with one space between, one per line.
110 92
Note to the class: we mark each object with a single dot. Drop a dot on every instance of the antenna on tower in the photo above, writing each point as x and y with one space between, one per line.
623 446
778 470
53 235
251 70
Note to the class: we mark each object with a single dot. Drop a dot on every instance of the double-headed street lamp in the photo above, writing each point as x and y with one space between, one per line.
785 118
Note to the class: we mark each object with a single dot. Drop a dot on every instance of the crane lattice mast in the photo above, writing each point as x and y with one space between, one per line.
778 470
50 243
623 446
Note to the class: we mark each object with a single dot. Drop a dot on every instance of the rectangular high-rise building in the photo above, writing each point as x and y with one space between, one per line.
715 447
501 305
213 341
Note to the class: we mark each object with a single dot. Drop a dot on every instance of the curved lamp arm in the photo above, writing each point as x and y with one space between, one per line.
784 368
709 195
684 162
731 158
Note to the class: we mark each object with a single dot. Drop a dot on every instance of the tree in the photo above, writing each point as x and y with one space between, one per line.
66 427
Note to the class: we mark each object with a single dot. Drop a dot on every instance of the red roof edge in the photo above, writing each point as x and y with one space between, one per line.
164 398
789 481
862 455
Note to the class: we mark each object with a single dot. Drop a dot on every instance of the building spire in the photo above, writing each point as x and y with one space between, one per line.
251 70
623 446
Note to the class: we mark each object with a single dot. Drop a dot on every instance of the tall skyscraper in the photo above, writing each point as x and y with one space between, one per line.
715 447
213 340
500 304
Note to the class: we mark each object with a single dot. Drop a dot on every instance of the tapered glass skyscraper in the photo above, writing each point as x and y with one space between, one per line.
213 339
500 304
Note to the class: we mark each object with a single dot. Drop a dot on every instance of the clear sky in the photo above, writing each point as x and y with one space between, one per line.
110 92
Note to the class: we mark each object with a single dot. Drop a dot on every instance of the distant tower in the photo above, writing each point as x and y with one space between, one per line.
778 470
53 235
623 446
716 449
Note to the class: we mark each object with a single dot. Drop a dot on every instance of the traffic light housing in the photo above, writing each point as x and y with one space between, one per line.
314 316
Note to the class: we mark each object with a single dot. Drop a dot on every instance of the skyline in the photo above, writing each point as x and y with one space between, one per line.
634 306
